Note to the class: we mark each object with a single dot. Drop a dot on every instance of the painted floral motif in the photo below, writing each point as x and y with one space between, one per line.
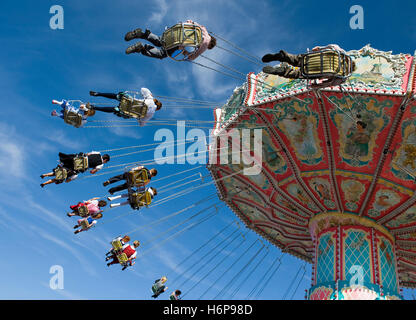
384 200
353 190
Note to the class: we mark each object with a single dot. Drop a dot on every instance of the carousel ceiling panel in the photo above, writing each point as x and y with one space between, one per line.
341 149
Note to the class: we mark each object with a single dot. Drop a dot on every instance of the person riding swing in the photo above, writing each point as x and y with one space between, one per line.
71 115
135 177
87 223
326 66
129 107
124 254
87 208
175 295
174 43
81 162
138 198
59 174
159 287
117 243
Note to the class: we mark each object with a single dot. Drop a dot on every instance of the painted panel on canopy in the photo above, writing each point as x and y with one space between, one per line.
251 212
407 277
319 183
234 103
402 166
406 218
385 198
274 84
258 181
353 188
272 155
359 129
282 214
377 69
407 236
298 125
235 186
261 184
303 246
248 121
290 233
285 226
294 190
281 202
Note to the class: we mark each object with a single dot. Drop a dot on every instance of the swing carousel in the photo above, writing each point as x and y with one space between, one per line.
338 169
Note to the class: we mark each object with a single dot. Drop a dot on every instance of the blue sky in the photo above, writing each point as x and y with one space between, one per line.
40 64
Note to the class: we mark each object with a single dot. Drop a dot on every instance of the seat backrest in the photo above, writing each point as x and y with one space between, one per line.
116 244
182 34
146 198
84 224
325 63
60 173
137 178
122 258
133 108
73 118
83 211
80 163
140 199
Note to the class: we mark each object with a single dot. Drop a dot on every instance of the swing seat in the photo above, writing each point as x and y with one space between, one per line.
138 200
60 173
326 64
122 258
80 163
83 211
116 244
136 178
84 224
133 108
156 289
73 118
178 37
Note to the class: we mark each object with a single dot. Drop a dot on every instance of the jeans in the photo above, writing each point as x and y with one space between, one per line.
151 51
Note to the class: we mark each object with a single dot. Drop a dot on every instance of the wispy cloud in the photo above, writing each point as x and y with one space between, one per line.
12 154
83 262
160 12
